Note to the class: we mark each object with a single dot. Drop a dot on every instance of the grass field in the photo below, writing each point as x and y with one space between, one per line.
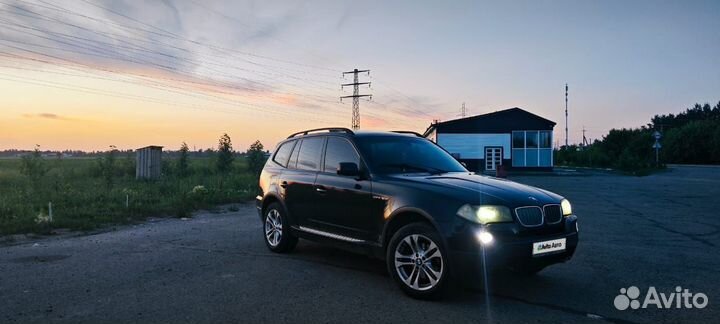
83 198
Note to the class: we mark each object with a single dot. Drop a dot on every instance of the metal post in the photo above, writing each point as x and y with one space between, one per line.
566 115
50 216
657 135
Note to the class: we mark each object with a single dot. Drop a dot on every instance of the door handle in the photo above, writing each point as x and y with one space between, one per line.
320 189
284 184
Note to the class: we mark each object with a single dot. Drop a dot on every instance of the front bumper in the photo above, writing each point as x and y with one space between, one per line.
510 248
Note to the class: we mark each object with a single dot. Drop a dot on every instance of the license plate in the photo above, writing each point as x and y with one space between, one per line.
548 246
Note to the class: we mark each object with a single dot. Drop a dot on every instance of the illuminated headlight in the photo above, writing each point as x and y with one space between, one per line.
566 207
485 214
484 237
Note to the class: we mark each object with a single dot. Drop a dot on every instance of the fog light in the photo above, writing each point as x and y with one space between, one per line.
484 237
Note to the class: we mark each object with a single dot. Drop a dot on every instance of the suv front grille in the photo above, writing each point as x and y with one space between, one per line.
553 214
530 216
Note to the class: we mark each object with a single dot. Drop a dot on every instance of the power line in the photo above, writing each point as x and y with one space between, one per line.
215 83
174 35
111 36
64 86
164 34
208 8
155 84
356 95
135 30
412 109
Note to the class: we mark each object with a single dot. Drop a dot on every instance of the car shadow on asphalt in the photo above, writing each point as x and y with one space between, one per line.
502 285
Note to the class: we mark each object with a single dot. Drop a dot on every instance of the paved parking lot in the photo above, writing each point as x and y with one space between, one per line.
661 231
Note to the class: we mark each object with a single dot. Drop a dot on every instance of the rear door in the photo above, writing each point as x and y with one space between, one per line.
298 179
346 204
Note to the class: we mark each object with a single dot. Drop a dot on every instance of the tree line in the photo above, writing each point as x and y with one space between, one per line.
689 137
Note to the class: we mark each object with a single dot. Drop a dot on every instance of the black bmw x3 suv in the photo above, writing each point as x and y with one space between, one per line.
402 198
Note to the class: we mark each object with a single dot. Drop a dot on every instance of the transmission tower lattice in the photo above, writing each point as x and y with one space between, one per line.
356 95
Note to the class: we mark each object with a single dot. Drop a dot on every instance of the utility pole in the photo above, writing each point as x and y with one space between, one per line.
585 141
566 115
463 111
356 95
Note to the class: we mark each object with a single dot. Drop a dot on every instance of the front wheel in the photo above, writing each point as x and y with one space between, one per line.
417 261
278 237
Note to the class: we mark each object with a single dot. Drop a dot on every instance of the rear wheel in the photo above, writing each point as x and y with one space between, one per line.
276 230
417 261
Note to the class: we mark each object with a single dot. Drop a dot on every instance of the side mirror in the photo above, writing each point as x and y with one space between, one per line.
348 169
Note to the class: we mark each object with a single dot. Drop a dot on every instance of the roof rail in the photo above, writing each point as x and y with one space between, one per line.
409 132
329 129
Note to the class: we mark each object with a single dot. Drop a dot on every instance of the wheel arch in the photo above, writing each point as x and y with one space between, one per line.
270 198
402 217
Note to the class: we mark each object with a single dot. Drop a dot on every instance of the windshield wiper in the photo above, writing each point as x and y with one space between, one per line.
406 166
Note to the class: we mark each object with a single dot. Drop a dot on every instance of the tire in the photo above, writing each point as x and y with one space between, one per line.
418 275
276 229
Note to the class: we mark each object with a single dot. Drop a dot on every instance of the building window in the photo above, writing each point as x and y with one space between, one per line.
532 148
531 139
545 141
518 139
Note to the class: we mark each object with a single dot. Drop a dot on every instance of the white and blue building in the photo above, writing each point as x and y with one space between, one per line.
513 138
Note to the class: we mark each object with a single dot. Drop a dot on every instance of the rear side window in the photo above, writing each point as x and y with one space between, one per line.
310 153
294 157
282 154
339 150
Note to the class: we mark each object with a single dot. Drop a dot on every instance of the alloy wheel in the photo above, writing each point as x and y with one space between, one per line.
273 227
419 262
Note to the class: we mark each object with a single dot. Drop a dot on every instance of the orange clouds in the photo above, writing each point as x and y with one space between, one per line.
46 116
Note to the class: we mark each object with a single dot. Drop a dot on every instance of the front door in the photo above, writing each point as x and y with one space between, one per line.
493 158
345 203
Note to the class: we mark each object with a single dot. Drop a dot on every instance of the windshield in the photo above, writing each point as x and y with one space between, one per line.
400 154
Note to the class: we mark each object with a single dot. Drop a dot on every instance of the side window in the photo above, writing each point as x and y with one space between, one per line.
339 150
292 164
310 153
282 154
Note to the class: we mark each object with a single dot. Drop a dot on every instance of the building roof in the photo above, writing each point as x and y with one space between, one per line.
152 147
502 121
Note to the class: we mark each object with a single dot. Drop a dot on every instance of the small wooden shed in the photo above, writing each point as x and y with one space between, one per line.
148 162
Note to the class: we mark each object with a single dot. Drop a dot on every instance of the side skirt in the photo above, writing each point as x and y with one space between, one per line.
351 244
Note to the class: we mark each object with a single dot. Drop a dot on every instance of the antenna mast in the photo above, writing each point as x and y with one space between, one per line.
566 115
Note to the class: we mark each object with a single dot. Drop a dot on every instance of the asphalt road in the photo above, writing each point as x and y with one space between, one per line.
661 231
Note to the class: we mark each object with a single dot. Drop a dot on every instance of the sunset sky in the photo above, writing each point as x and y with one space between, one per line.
87 74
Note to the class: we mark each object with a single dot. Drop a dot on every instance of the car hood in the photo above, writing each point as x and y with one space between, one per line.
489 190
